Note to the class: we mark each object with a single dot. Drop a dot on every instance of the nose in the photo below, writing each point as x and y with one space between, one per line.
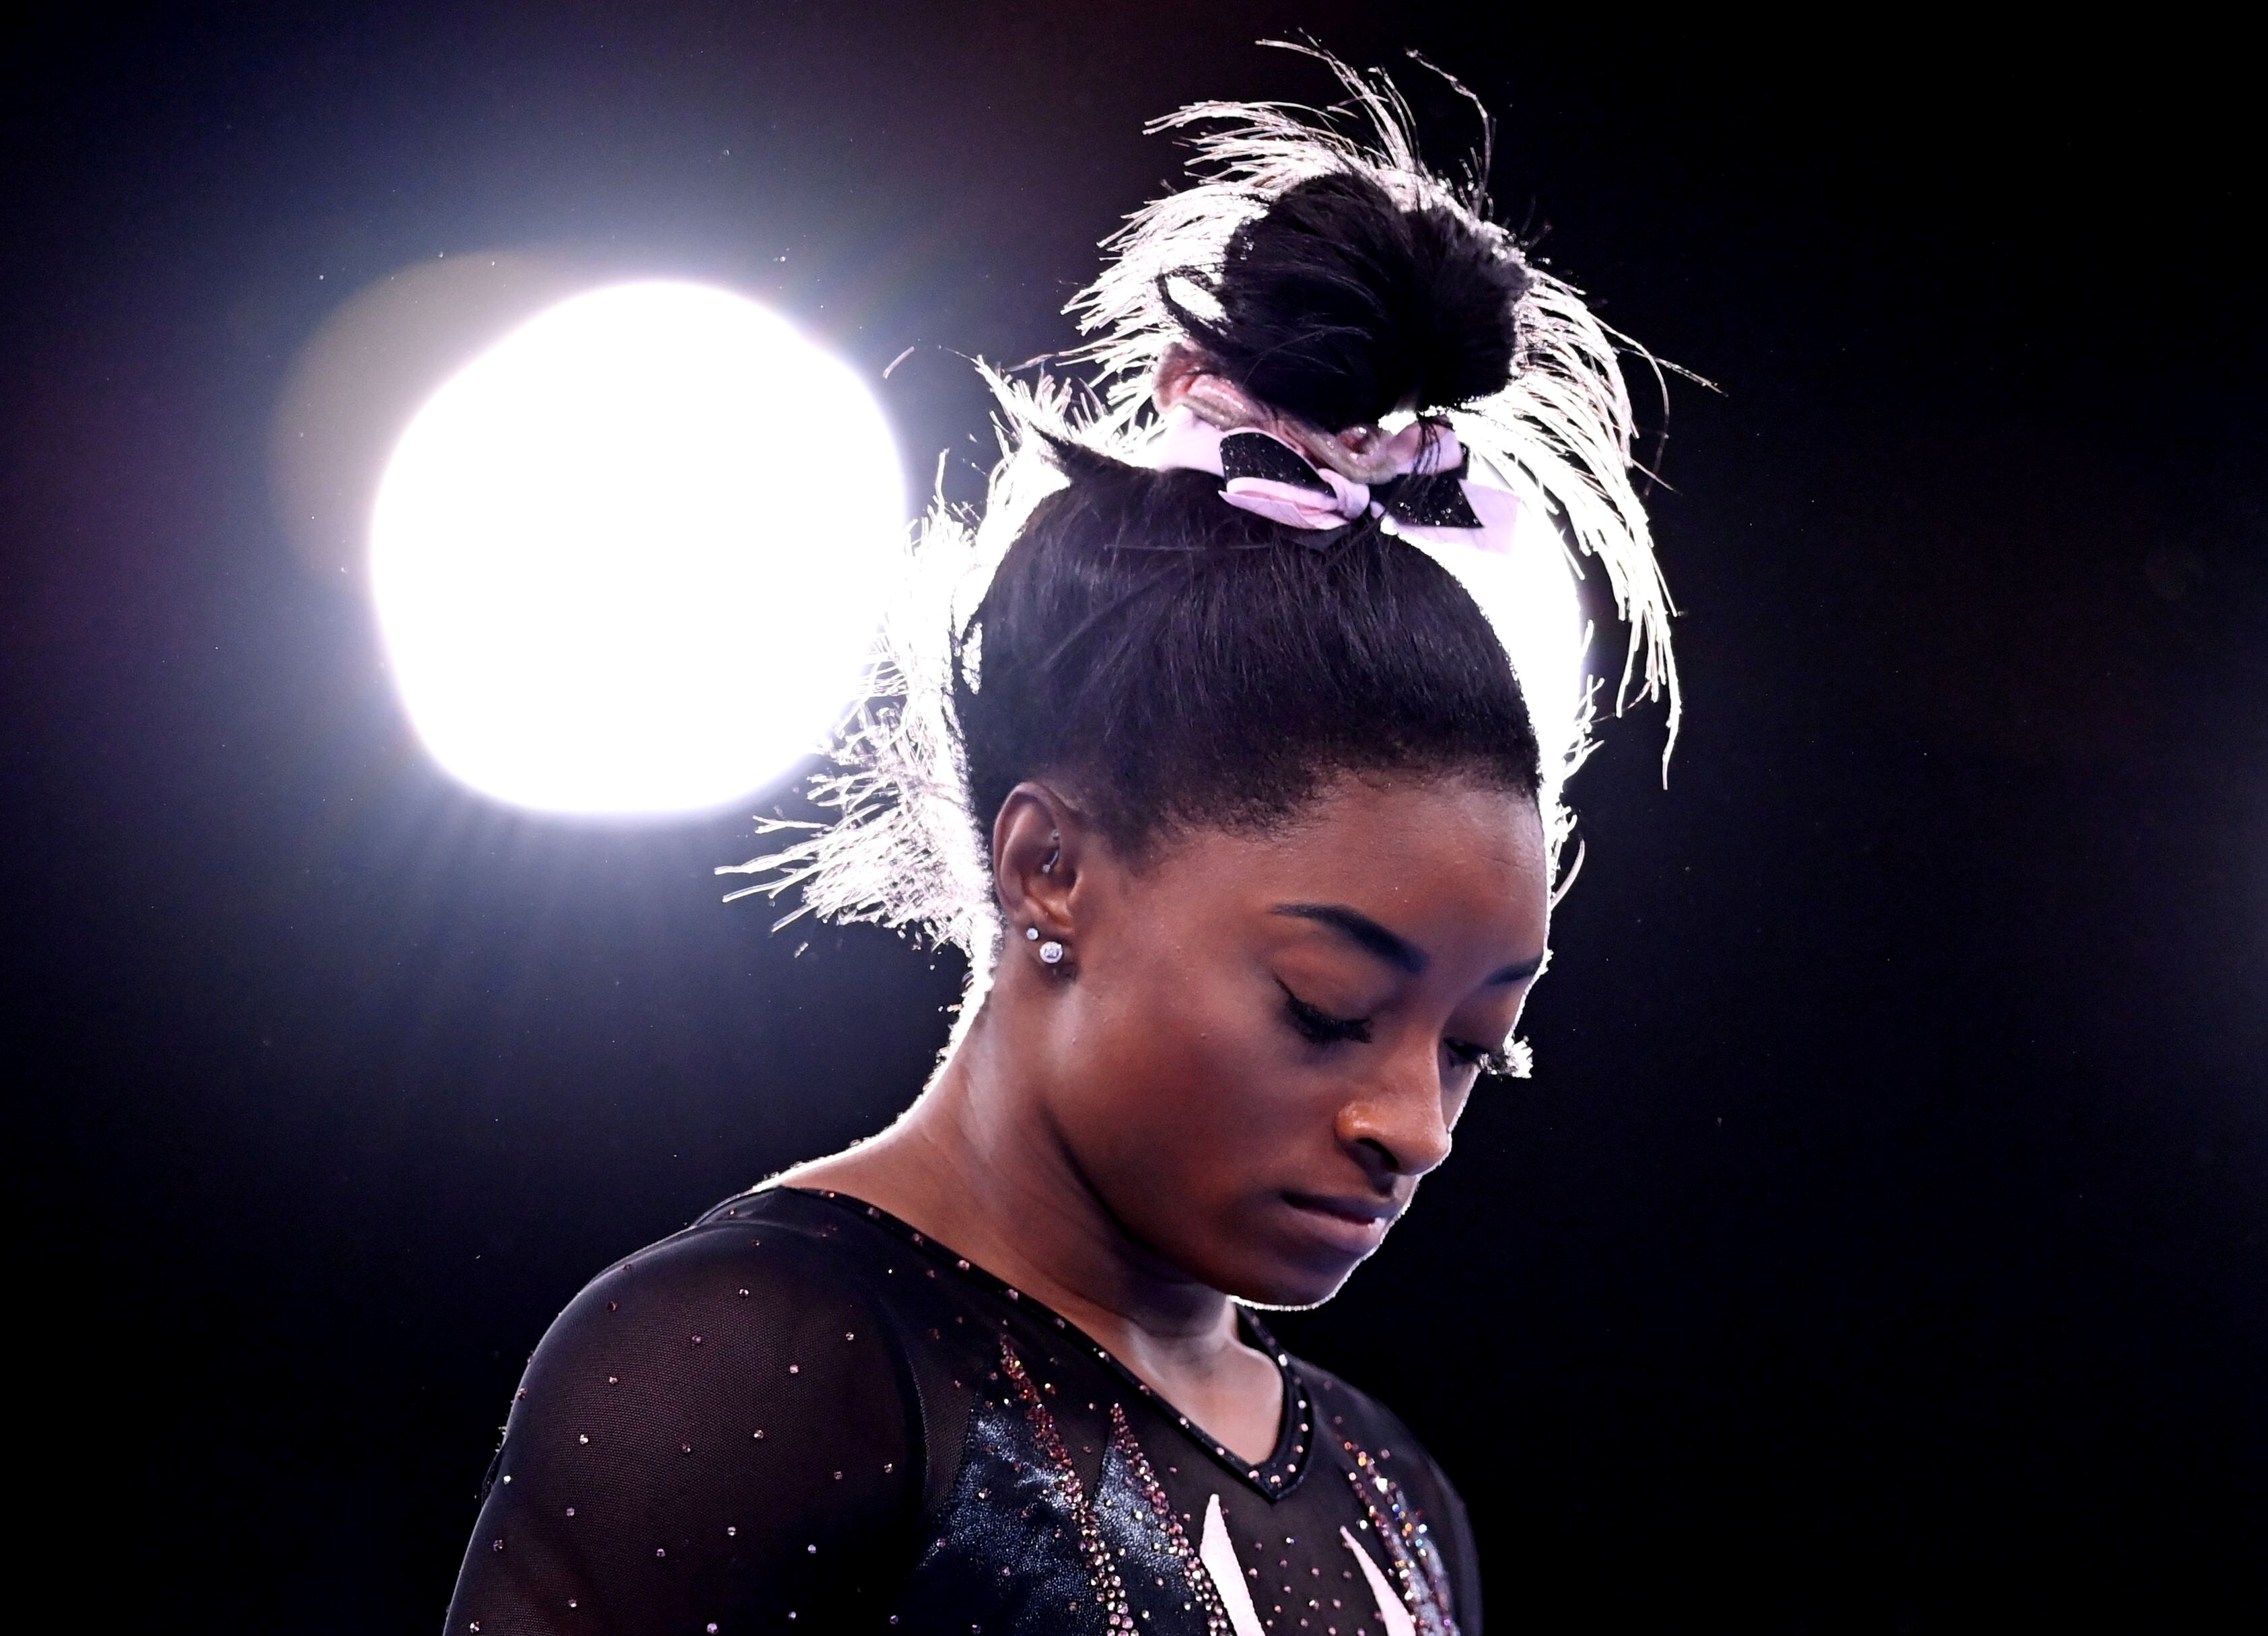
1397 1124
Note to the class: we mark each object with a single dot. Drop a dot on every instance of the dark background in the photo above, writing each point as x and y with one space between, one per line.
1880 1245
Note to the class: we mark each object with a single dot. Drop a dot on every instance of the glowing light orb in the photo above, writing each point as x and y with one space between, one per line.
630 559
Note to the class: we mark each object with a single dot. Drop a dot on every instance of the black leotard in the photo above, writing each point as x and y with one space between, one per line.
799 1414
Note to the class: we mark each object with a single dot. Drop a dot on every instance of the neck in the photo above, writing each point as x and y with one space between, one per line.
978 1164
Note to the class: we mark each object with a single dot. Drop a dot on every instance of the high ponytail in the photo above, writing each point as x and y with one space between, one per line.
1177 662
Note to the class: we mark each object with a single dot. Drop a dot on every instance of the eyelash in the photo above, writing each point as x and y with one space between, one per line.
1318 1026
1491 1063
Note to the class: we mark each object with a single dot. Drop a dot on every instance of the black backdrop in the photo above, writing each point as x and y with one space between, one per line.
1880 1247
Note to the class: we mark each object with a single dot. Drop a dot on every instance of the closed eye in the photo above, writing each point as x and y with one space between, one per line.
1318 1026
1489 1059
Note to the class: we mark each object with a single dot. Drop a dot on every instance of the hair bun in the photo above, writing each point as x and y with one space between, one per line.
1340 304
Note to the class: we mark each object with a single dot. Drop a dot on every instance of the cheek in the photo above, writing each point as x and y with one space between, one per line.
1192 1091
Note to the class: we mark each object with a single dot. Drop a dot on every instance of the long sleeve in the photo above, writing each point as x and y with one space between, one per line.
717 1434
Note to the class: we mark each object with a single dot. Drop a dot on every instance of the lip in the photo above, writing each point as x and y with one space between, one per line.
1353 1225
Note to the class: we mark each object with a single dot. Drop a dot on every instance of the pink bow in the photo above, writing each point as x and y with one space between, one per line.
1299 506
1422 447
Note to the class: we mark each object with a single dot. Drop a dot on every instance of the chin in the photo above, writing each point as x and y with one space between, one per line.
1289 1284
1267 1253
1291 1296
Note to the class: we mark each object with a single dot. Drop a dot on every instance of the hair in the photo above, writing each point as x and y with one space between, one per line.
1173 661
1178 662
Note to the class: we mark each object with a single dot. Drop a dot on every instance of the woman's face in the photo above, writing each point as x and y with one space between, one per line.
1265 1041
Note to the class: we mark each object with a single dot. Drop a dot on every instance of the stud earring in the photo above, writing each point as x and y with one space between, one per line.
1051 952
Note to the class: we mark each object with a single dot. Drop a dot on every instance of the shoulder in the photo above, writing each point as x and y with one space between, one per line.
1353 1421
751 1333
718 1426
773 1248
764 1286
1373 1447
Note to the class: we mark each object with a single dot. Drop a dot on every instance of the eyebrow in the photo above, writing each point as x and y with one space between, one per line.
1390 946
1359 928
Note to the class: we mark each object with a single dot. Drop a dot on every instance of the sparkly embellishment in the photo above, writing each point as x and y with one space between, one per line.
582 1437
696 1340
811 1550
1218 1622
731 1533
685 1449
496 1544
570 1511
1063 1475
659 1551
613 1305
795 1368
1416 1565
759 1433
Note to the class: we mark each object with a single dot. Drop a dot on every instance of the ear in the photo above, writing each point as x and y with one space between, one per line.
1040 844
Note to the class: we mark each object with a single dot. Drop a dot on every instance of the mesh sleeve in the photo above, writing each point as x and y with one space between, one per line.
715 1434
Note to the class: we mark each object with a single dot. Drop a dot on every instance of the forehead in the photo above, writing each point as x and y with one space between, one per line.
1431 858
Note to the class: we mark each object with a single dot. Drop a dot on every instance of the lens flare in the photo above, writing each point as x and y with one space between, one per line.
631 558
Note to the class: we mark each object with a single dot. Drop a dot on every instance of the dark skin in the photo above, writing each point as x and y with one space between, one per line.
1253 1051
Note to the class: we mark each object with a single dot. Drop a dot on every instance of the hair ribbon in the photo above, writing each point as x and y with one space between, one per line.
1425 491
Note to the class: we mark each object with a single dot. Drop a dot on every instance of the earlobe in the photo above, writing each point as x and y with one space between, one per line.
1035 849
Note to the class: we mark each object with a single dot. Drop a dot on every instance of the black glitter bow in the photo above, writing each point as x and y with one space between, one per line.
1421 499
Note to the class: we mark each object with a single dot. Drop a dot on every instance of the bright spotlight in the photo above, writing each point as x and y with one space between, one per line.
630 559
